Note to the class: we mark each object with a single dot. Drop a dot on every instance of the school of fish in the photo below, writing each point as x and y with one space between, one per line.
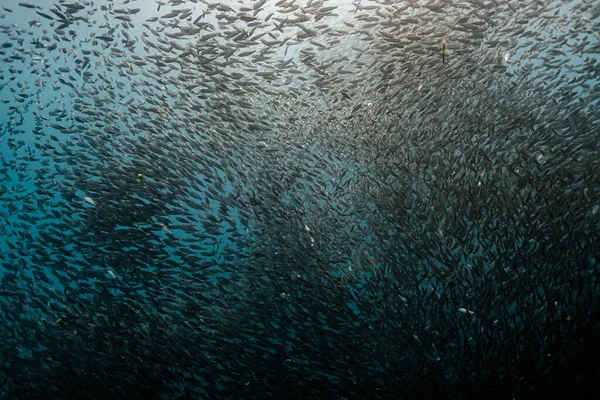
299 199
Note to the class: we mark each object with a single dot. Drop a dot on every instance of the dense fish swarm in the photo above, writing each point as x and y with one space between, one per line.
299 199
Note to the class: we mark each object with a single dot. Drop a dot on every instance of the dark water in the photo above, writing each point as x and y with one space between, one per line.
299 199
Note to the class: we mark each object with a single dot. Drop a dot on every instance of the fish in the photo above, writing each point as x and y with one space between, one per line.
104 38
336 214
27 5
444 51
44 15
